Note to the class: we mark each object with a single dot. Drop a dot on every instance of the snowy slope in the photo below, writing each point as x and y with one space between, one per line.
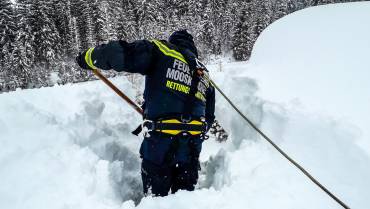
70 146
319 58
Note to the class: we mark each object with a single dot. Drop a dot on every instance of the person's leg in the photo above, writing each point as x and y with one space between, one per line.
185 174
157 180
185 177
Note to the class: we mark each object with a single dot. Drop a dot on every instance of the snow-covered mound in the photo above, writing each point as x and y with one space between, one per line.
67 146
70 146
319 58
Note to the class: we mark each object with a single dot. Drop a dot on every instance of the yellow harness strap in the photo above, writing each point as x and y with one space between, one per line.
176 132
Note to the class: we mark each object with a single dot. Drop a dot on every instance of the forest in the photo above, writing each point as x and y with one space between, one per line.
40 39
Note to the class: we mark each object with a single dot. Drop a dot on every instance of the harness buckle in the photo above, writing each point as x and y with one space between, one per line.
185 118
147 126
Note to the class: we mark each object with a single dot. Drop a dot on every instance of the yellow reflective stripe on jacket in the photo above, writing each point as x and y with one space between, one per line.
88 59
169 52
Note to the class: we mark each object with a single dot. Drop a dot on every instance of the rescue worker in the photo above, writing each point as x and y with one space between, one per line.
179 105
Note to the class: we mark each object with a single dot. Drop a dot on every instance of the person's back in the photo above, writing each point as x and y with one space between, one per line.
178 105
168 88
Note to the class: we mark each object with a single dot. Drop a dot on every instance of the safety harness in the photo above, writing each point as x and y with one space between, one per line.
175 126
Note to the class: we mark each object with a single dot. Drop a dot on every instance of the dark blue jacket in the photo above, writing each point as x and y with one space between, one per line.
167 85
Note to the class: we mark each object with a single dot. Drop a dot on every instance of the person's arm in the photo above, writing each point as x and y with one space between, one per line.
135 57
210 106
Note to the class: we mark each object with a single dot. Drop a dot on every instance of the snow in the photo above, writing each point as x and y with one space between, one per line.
70 146
318 58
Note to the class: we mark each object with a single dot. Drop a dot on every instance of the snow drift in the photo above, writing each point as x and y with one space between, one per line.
319 58
70 146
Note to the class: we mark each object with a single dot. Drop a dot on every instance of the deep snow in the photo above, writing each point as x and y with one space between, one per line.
70 146
318 58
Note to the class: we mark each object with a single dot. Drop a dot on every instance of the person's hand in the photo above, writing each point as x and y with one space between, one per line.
80 59
201 68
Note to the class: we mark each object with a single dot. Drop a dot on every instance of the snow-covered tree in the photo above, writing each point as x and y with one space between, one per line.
241 37
100 16
48 34
149 18
280 9
126 25
65 25
7 32
46 37
23 52
83 11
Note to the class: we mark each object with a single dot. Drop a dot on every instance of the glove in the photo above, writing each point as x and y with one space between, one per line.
200 67
80 59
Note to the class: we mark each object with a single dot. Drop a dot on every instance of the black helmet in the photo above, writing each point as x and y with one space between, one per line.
183 39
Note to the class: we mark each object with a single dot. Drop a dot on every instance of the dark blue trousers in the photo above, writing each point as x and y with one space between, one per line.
170 164
159 180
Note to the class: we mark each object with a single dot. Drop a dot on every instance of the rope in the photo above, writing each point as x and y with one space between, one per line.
139 110
278 148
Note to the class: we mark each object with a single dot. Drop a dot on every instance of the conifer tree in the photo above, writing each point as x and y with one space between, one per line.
66 28
122 19
46 44
83 11
7 32
23 52
280 9
149 18
100 19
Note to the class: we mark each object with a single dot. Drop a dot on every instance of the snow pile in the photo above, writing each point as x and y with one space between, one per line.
63 147
70 146
318 58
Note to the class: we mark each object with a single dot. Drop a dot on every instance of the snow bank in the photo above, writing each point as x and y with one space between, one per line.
70 146
318 58
67 147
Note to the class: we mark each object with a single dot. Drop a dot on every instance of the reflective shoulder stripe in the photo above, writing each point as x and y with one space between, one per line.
88 59
169 52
